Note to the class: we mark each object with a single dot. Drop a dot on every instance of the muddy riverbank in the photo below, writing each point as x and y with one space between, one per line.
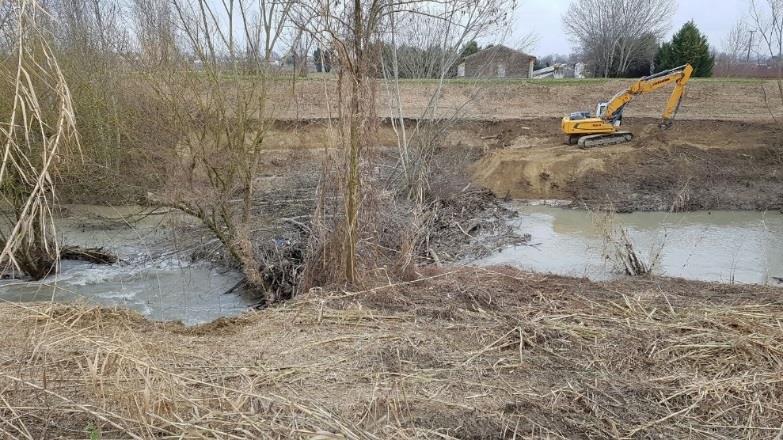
696 165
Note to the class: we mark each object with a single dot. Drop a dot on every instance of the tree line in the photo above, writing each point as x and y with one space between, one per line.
624 38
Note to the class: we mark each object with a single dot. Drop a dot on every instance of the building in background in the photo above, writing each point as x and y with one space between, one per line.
497 62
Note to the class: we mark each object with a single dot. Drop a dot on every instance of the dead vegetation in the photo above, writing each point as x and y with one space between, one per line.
619 248
36 131
472 353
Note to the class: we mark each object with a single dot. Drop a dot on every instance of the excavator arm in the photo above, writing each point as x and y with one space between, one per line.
602 128
679 75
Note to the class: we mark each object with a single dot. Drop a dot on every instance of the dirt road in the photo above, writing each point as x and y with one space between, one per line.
474 353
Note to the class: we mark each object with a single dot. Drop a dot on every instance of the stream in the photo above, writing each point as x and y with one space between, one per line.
151 278
722 246
156 278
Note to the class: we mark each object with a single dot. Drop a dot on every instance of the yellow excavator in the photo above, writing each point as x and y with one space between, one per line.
603 128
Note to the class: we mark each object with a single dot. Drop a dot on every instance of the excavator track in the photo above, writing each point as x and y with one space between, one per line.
598 140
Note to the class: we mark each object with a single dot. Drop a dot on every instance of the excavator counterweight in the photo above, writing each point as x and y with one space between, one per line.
602 128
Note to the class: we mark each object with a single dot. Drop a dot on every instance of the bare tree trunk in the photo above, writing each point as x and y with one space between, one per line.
356 124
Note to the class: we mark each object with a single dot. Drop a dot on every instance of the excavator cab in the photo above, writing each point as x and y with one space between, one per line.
578 116
600 109
616 119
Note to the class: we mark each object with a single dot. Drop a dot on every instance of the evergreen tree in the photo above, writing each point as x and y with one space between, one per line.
322 61
317 60
469 49
687 46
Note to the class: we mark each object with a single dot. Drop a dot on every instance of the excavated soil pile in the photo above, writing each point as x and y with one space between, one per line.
472 353
695 165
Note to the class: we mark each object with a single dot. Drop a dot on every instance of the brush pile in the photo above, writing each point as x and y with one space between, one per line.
473 353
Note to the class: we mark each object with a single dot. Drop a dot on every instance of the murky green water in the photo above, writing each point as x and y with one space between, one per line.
724 246
152 278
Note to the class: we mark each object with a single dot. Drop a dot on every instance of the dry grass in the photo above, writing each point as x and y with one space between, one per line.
472 353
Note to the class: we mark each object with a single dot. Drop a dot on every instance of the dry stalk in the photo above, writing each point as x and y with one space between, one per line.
619 248
37 131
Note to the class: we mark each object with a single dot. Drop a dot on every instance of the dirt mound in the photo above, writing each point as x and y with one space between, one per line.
695 165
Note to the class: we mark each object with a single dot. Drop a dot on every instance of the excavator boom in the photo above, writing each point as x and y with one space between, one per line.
602 128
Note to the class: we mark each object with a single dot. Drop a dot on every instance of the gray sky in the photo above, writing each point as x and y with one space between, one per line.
542 17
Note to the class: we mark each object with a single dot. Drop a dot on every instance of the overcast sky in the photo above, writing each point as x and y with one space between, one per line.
543 17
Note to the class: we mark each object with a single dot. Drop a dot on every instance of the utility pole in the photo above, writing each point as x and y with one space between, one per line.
750 45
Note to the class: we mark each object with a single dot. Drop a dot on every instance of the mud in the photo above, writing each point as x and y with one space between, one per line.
696 165
468 226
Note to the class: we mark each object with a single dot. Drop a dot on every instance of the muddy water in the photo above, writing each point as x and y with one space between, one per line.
154 277
723 246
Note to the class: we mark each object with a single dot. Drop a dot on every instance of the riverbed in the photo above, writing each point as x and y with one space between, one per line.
721 246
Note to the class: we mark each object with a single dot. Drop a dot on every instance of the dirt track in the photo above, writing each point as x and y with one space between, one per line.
473 354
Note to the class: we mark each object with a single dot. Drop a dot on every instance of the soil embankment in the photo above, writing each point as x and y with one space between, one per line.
475 353
696 165
724 152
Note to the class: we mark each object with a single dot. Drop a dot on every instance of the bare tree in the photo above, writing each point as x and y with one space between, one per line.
154 28
352 29
442 32
611 33
220 101
736 51
766 20
445 30
359 31
737 45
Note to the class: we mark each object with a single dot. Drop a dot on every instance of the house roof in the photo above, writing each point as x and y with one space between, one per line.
497 50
